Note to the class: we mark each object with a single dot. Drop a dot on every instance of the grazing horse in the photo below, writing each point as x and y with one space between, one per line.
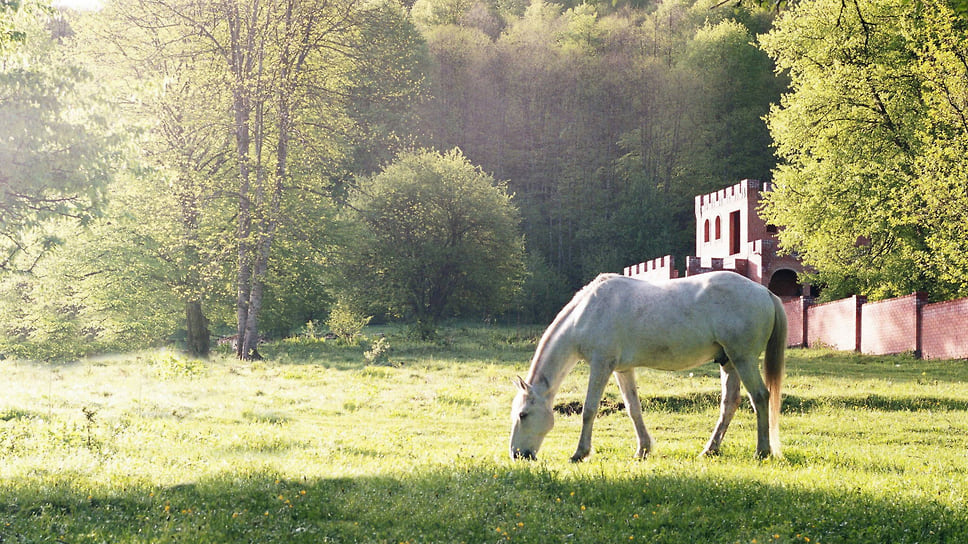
617 323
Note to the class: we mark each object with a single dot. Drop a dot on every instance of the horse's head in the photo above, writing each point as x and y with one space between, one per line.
531 419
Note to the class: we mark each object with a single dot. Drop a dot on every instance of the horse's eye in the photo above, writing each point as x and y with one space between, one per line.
522 415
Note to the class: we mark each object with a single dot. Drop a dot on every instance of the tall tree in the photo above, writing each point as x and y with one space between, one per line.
856 134
57 150
282 63
941 42
171 206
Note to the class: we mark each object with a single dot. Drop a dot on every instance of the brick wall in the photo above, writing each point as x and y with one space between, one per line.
943 330
903 324
891 326
836 324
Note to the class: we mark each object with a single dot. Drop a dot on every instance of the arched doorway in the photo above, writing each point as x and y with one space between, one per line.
784 284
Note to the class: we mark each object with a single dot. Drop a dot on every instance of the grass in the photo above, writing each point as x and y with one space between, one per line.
313 445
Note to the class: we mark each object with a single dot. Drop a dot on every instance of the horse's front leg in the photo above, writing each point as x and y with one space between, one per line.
626 383
727 407
597 381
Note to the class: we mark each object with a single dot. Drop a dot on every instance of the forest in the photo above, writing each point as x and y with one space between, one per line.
181 170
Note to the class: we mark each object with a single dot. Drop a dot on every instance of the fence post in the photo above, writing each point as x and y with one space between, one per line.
805 303
859 301
921 299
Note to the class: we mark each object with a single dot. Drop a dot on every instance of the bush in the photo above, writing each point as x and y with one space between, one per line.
379 352
346 323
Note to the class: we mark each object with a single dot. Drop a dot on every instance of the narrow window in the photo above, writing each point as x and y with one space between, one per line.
734 230
719 228
705 231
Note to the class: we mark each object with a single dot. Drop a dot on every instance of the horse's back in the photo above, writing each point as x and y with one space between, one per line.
672 324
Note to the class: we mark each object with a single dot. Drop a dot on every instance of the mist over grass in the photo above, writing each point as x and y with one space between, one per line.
314 445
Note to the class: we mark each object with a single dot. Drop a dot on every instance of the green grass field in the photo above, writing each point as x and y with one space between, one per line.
313 445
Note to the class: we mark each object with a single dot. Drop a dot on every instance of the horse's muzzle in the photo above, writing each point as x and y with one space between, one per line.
527 455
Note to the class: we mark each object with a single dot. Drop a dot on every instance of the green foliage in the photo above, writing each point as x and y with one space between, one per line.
170 366
941 165
329 449
606 121
869 136
346 323
379 352
77 301
13 15
385 83
58 150
437 237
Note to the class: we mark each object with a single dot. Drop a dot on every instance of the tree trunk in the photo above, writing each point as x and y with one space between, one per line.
240 63
198 333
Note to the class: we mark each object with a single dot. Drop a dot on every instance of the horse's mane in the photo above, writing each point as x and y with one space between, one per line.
585 292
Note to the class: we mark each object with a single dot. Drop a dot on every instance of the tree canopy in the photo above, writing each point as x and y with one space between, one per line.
868 136
57 151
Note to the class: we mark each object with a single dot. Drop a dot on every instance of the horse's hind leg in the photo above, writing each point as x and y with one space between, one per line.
760 397
727 407
626 383
597 381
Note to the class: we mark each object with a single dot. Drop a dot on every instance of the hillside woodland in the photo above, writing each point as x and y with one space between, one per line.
176 170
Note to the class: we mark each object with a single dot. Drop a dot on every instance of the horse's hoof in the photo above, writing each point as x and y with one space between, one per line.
709 453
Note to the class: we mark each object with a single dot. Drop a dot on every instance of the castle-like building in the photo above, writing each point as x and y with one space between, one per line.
731 235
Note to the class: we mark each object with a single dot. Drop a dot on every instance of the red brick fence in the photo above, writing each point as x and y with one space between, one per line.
897 325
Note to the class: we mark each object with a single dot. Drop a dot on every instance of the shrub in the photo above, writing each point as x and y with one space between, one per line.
379 352
346 323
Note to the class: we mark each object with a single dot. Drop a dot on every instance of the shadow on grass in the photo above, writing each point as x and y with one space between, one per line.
497 346
702 401
473 503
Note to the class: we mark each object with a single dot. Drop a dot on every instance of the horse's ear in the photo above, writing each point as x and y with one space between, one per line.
522 385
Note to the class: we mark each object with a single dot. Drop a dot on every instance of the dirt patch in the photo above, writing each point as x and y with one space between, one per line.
606 407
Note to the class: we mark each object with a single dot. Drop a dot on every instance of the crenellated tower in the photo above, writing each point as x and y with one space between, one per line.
731 235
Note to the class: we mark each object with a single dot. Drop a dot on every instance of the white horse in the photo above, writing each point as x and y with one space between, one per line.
617 323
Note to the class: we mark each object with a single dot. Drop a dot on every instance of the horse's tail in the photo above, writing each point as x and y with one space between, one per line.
773 365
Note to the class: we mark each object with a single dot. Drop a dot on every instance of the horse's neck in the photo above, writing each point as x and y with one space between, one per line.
552 362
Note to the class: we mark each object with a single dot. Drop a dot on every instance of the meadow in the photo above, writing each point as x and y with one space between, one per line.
315 444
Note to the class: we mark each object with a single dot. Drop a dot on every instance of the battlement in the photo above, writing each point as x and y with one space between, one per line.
731 235
701 265
661 268
741 191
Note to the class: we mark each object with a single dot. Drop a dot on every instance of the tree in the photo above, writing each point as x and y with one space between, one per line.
57 151
732 84
436 237
282 66
170 209
942 165
869 138
605 120
387 78
11 30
